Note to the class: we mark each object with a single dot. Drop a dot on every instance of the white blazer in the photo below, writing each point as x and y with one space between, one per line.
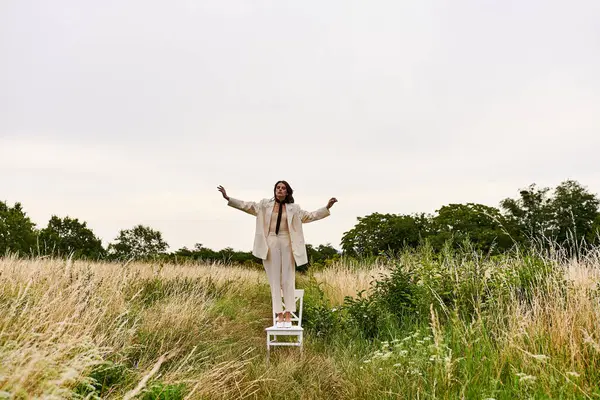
296 216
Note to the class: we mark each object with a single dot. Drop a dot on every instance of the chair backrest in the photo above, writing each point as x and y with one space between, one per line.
296 316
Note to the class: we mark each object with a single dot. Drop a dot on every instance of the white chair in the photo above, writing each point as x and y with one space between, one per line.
296 330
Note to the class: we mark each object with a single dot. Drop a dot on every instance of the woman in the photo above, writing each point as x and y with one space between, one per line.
279 242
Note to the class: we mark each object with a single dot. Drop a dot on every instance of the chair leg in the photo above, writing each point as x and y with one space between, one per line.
268 357
268 350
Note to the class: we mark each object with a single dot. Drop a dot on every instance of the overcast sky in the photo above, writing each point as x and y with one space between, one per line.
127 112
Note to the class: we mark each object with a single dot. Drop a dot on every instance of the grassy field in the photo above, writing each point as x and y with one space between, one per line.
451 326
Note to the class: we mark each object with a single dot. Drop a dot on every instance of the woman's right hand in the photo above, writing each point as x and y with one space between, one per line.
223 192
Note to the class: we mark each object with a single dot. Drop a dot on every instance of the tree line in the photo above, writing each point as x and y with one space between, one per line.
567 216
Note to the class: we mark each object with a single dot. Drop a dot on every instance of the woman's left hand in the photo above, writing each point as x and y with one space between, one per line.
331 202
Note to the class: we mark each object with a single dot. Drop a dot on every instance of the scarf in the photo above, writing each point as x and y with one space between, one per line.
281 203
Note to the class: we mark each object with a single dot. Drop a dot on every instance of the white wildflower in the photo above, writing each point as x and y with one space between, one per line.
541 357
528 378
525 378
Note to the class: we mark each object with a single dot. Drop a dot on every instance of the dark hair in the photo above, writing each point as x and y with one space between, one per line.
289 198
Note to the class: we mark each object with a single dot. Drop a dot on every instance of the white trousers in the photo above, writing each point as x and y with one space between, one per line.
281 271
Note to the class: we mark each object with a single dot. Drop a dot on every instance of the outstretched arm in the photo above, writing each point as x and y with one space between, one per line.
306 216
247 206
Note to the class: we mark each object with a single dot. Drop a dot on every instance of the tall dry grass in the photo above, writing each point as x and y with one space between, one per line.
560 327
60 319
341 280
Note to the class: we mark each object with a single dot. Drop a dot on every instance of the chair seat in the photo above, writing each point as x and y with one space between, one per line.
282 331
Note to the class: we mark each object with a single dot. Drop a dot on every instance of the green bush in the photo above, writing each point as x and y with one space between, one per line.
398 293
319 317
104 378
160 391
365 314
536 273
